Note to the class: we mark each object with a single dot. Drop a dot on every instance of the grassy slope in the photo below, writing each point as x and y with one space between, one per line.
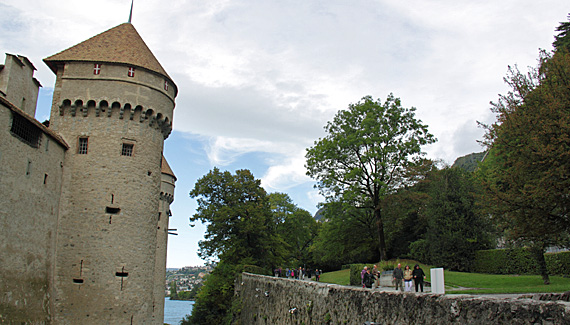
476 283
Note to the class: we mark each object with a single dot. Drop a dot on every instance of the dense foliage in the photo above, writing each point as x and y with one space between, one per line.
347 235
295 228
562 39
527 173
455 229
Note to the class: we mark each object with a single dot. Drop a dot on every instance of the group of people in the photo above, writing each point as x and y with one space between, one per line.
403 279
299 274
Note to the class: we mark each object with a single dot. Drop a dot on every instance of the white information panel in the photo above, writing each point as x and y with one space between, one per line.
437 282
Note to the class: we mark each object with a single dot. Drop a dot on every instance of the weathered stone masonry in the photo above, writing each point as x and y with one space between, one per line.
86 195
269 300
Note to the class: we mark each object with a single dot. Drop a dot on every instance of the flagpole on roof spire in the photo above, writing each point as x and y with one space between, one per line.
131 14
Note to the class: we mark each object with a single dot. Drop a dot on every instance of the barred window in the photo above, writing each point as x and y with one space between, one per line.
127 149
25 130
82 146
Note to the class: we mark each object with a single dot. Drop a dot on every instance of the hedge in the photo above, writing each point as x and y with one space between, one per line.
355 271
519 261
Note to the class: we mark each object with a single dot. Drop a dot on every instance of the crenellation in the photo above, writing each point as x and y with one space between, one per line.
156 121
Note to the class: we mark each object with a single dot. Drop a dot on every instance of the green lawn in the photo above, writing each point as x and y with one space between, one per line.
338 277
477 283
492 283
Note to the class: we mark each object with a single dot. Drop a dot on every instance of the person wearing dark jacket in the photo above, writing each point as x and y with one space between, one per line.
398 275
368 279
419 276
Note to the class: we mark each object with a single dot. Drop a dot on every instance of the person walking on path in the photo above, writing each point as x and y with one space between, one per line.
407 279
398 275
419 277
362 275
376 275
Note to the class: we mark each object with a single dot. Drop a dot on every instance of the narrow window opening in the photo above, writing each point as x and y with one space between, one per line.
110 218
83 146
127 149
45 178
112 198
29 168
122 275
78 281
159 214
81 268
112 210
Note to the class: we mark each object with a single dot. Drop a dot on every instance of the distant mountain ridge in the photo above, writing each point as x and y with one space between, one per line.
469 162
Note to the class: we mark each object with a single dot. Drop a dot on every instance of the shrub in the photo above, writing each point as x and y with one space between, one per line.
519 261
558 263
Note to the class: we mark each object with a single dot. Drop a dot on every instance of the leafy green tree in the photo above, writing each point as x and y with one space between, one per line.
214 300
238 217
455 227
295 227
527 173
562 40
364 155
347 235
240 231
403 210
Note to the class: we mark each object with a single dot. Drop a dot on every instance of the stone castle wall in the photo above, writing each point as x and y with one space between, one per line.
269 300
30 184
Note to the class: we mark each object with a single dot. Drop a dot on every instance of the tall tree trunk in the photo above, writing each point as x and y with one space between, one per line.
380 229
537 250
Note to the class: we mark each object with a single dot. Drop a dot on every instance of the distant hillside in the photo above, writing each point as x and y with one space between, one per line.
470 161
319 216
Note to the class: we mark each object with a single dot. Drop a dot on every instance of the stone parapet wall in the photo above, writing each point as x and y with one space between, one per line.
269 300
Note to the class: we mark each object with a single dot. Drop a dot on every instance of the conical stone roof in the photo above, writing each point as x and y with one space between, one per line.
121 44
166 168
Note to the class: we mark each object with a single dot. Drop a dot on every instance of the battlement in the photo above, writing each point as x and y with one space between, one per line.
101 108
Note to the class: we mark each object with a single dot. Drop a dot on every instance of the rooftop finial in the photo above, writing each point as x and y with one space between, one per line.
131 14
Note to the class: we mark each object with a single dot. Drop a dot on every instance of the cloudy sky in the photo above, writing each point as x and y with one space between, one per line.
258 80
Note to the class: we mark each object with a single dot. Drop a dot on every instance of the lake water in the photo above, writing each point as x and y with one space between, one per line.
175 310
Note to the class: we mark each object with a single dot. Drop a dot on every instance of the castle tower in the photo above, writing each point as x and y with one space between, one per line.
166 198
113 104
17 83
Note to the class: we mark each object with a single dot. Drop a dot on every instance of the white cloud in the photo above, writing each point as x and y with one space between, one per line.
286 174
